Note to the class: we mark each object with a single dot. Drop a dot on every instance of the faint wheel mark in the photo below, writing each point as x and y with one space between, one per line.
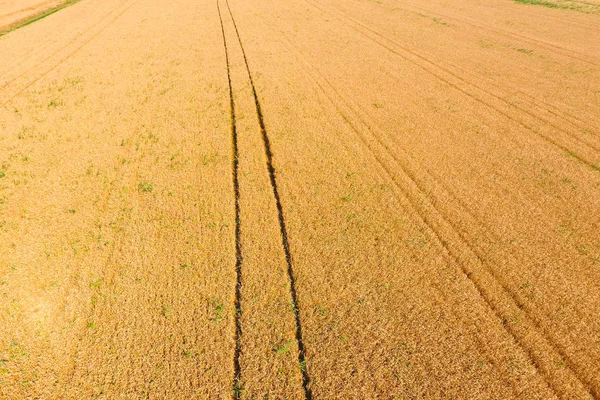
467 272
52 68
552 141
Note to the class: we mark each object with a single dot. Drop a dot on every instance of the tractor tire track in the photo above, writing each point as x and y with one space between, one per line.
237 303
44 46
532 101
436 226
464 207
556 48
573 120
282 224
402 199
590 152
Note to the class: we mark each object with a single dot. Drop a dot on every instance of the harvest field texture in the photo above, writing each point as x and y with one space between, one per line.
299 199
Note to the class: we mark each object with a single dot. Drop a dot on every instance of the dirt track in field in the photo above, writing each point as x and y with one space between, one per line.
301 199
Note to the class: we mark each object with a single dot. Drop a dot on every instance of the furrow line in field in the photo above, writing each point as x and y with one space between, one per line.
466 245
486 230
483 231
569 118
509 189
423 190
436 228
383 173
27 62
433 227
558 49
439 223
584 159
496 90
428 57
30 83
571 125
238 244
282 223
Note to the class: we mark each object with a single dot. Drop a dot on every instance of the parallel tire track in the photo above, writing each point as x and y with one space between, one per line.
363 29
438 222
282 225
383 173
438 181
236 387
576 122
558 49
